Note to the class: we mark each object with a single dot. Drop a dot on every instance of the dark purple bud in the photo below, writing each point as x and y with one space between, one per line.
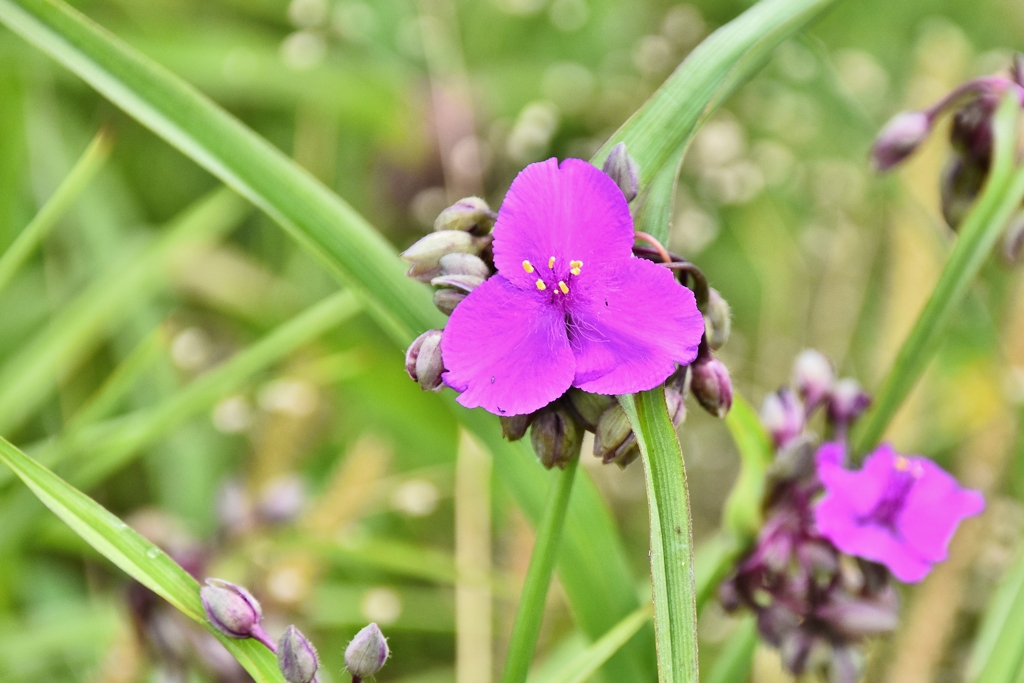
556 437
423 361
959 186
621 168
425 255
797 650
1013 239
464 264
296 657
589 407
614 440
514 428
470 215
775 622
813 377
783 416
899 138
231 609
711 385
971 132
729 595
856 618
367 652
447 299
717 320
848 402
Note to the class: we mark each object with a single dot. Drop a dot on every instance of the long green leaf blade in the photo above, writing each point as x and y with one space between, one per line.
675 607
133 554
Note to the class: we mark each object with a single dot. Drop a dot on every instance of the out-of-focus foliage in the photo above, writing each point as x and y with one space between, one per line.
320 476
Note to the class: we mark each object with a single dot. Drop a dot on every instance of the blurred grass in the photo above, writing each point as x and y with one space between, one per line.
775 204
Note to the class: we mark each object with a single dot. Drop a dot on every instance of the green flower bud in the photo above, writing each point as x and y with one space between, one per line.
425 255
717 320
464 264
589 407
556 437
470 215
514 428
614 440
447 299
621 168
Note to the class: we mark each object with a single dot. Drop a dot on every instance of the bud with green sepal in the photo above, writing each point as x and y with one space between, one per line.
424 256
556 436
514 428
471 215
588 407
366 654
717 320
423 361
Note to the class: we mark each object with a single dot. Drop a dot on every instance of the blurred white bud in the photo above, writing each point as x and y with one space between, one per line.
191 349
382 605
294 397
303 50
416 498
307 13
232 415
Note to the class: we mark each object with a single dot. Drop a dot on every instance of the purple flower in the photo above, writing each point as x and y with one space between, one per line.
900 511
570 305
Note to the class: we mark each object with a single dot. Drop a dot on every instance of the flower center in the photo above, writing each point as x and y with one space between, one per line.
557 284
894 496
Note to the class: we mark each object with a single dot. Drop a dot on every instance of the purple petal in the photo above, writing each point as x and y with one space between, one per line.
573 212
861 489
830 453
837 522
632 326
933 510
506 349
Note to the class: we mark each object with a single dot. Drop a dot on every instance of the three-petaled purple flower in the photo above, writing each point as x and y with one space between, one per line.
900 511
570 305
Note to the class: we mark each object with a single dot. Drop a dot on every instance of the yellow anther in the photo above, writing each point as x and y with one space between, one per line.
527 266
902 464
551 262
540 285
561 286
574 267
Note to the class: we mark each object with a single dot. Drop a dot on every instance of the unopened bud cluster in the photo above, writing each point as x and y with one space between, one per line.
813 604
455 258
973 105
234 612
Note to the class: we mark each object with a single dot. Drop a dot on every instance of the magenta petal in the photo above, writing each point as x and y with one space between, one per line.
836 520
572 212
506 349
934 508
632 327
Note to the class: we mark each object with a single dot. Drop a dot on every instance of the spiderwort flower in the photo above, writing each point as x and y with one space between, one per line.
570 305
234 611
900 511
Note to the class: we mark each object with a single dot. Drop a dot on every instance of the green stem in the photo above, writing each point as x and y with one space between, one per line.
56 206
675 612
981 229
526 627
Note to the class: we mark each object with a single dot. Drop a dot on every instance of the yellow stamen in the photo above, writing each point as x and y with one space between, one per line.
551 262
527 266
902 464
540 285
561 286
574 267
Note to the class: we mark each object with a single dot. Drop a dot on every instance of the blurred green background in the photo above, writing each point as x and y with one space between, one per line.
155 347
